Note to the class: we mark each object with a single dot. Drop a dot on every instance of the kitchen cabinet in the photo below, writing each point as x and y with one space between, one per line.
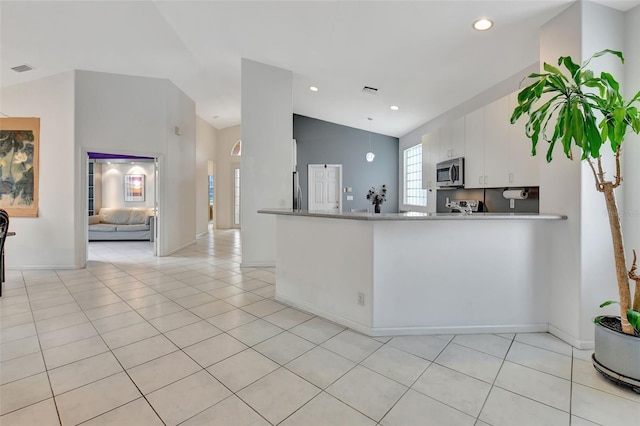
487 149
474 149
496 144
524 168
452 140
430 155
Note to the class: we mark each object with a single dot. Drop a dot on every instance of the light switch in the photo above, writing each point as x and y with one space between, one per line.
349 189
349 197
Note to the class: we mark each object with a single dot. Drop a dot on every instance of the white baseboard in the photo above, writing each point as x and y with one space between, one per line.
192 242
576 343
406 331
257 264
474 329
361 328
40 267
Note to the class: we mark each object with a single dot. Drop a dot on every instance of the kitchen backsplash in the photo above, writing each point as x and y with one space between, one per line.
492 200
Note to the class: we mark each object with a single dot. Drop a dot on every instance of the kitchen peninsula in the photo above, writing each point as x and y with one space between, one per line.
416 273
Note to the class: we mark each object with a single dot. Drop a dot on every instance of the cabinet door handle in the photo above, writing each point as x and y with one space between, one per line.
480 180
486 180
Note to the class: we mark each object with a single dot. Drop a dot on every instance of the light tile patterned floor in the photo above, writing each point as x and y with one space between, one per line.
193 339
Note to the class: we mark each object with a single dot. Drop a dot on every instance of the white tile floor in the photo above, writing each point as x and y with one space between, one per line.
193 339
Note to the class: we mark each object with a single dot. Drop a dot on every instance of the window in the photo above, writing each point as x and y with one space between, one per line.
414 195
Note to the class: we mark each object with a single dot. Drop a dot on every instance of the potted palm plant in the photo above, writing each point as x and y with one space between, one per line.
585 112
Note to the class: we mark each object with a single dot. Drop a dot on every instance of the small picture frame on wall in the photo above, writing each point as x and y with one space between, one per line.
133 187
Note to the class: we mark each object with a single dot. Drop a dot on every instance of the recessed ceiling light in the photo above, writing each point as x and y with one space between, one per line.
394 107
482 24
313 88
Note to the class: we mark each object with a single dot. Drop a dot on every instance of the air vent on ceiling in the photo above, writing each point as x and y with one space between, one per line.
22 68
370 90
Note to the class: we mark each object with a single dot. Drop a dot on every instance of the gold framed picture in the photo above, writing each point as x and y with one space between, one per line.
19 146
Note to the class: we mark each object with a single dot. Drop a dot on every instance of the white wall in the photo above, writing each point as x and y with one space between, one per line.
267 150
206 141
112 179
631 171
583 265
136 115
224 165
602 28
48 240
179 195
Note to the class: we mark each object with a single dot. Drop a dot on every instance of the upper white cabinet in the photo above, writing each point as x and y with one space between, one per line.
452 140
496 144
498 154
474 149
524 168
430 152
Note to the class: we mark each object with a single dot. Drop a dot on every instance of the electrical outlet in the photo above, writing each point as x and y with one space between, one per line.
360 299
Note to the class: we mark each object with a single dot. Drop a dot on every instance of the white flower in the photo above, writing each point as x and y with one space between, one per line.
20 157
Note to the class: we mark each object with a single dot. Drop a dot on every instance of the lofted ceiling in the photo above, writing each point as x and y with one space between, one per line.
422 55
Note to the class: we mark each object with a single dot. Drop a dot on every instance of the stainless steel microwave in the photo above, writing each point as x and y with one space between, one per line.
450 173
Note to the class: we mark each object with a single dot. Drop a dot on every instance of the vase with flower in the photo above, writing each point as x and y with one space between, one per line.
377 197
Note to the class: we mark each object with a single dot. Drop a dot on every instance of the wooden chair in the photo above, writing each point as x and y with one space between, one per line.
4 228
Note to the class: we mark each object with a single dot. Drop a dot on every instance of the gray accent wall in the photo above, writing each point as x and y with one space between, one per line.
322 142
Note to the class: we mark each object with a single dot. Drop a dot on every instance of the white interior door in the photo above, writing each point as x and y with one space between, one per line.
325 181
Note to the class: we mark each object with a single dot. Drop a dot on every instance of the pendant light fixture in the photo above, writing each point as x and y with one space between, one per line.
370 155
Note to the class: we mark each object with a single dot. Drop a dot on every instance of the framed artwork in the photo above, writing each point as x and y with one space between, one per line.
134 187
19 145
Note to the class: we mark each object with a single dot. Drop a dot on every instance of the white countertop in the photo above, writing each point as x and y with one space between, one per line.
413 215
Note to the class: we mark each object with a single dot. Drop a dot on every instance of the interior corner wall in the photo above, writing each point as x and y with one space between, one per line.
602 28
322 142
206 140
224 165
179 196
631 147
267 152
137 115
561 191
582 262
49 240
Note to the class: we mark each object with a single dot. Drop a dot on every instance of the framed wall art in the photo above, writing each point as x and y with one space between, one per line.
133 187
19 146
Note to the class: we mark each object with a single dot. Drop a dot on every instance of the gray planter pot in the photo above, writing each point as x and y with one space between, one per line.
617 356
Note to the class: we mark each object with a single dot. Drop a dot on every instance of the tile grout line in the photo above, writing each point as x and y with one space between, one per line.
55 403
494 380
110 350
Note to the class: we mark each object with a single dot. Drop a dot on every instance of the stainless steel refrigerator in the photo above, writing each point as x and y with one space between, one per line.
297 191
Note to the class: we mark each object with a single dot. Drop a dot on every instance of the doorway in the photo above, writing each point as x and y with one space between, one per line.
211 192
106 184
325 181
